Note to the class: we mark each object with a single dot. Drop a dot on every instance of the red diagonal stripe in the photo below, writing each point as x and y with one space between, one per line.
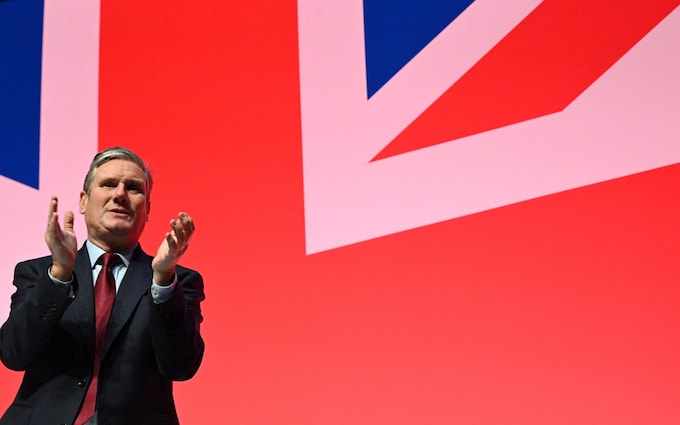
547 61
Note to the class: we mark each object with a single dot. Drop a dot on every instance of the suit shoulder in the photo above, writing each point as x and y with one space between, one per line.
35 263
185 274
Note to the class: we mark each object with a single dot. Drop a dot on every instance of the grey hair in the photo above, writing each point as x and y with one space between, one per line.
117 153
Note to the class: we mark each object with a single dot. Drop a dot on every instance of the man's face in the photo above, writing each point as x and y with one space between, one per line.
117 205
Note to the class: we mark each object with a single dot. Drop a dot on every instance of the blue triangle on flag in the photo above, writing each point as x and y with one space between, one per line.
21 30
396 30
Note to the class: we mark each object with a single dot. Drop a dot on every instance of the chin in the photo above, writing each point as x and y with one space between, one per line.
120 229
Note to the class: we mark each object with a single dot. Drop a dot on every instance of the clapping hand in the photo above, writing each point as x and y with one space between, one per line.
61 242
173 246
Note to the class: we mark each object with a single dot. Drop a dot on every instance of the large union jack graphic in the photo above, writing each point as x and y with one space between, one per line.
512 101
557 310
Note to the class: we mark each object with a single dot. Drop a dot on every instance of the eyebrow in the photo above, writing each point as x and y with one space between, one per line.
128 181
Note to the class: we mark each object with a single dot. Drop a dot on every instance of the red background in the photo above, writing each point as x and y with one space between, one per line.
559 310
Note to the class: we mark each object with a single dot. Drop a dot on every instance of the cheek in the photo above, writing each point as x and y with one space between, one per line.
142 212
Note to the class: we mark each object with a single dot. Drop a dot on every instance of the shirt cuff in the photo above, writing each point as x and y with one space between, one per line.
161 294
61 283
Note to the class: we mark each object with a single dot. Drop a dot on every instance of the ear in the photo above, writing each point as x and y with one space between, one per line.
148 210
83 202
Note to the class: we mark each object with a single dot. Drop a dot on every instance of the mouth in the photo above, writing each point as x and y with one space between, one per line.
119 211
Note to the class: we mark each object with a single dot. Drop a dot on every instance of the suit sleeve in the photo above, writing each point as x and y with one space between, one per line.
36 309
175 328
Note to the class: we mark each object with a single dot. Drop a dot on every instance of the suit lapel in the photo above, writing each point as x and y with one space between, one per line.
83 304
135 284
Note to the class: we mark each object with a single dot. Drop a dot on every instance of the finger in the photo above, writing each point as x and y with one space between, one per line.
171 240
52 210
176 228
187 224
180 230
53 230
187 221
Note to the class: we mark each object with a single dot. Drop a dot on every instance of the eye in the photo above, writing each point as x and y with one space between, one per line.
135 188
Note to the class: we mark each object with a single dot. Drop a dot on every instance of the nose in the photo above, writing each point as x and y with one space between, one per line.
120 194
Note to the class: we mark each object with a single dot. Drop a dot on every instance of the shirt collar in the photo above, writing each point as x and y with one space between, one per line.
94 252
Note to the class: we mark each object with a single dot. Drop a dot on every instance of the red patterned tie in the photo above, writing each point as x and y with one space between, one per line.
104 295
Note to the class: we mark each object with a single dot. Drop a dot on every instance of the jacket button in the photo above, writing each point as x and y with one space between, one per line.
82 383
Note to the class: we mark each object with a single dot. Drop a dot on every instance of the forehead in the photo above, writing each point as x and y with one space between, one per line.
120 169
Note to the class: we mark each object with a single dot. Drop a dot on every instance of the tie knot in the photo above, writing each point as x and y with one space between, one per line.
109 259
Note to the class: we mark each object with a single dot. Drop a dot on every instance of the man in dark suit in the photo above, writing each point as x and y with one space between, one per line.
153 333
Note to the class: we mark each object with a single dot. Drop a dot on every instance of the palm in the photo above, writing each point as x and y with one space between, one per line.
69 241
173 246
61 242
164 260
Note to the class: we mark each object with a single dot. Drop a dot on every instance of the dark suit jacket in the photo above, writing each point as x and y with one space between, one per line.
50 336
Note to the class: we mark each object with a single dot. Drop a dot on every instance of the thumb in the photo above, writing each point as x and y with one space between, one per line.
68 221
